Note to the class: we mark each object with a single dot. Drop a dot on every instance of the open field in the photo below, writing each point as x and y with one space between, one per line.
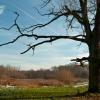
46 93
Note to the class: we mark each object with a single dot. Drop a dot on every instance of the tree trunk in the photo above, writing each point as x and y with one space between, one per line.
94 50
94 74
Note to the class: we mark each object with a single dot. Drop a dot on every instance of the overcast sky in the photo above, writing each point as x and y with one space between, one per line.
58 53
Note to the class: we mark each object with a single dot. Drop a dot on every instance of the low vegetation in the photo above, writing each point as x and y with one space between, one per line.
47 93
57 83
39 92
56 76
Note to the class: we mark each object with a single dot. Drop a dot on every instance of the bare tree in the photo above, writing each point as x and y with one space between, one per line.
87 15
65 76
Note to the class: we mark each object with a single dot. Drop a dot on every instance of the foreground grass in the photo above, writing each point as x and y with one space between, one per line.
44 93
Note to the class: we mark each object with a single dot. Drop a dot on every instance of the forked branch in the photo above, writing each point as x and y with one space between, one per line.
49 38
81 60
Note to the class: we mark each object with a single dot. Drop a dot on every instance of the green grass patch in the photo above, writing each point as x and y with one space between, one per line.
43 92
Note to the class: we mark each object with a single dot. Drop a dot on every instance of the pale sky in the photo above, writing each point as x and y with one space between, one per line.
58 53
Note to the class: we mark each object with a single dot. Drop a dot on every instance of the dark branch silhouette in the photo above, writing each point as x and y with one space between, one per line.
81 60
50 38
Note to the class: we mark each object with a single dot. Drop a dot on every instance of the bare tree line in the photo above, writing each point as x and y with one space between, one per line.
64 73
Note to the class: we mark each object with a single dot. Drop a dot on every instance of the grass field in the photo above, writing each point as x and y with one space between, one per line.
45 93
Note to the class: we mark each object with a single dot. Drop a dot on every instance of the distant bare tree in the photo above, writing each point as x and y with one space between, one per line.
65 76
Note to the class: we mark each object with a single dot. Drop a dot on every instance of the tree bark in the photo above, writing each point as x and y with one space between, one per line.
94 50
94 73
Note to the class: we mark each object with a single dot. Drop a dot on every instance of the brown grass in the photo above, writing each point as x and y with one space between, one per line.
31 82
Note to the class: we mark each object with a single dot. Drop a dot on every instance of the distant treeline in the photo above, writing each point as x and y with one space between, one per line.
64 73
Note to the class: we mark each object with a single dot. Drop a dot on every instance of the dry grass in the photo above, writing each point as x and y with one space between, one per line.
31 82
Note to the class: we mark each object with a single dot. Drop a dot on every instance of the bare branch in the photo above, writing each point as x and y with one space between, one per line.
35 45
10 42
77 37
80 60
33 27
15 22
45 2
51 39
44 36
65 11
